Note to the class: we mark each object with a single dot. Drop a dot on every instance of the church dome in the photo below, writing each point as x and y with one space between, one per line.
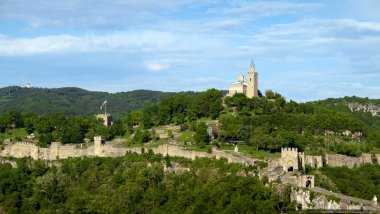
240 78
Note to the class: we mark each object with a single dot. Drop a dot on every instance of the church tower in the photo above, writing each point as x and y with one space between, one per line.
252 81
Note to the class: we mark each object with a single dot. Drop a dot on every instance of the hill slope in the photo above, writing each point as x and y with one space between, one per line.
74 101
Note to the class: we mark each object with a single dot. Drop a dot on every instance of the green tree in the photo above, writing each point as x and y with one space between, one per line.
201 136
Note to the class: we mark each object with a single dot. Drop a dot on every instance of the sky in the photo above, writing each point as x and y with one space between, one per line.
305 50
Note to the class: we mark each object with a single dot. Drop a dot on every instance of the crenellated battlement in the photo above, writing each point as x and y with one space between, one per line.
289 149
24 144
99 138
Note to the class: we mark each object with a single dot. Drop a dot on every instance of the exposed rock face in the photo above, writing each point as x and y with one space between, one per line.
373 109
347 133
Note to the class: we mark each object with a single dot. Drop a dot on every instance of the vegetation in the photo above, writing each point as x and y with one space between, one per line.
74 101
132 184
265 123
137 183
56 127
361 182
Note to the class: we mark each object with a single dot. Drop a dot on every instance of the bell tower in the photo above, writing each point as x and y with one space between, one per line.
252 81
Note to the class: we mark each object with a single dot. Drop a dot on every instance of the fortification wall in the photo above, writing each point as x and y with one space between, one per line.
21 149
342 160
59 151
314 161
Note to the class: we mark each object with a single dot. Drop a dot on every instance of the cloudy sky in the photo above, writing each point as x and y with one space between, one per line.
305 50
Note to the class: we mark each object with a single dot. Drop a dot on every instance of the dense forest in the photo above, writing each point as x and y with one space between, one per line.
74 101
133 184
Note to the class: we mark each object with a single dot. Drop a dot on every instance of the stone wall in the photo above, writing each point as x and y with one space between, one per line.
314 161
343 160
21 149
59 151
290 159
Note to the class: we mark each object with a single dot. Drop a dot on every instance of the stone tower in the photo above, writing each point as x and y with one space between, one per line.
99 141
107 119
252 81
291 159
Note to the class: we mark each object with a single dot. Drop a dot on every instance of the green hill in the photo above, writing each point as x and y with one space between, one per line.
74 101
341 104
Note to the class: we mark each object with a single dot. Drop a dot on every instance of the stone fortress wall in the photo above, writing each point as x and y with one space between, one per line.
350 162
290 157
102 149
291 160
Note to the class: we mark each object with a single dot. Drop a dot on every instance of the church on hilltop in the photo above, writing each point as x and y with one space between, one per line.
249 87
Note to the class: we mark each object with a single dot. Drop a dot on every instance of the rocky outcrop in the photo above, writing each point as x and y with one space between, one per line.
347 133
373 109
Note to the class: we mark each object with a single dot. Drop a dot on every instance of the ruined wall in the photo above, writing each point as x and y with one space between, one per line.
343 160
314 161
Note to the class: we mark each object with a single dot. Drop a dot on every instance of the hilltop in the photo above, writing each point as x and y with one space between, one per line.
75 101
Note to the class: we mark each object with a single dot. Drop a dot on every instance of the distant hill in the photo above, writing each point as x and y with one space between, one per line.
75 101
365 110
343 104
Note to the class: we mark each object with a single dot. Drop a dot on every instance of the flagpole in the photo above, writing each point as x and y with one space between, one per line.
105 109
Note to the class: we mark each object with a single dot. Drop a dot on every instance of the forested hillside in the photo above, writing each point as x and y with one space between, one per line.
266 123
74 101
133 184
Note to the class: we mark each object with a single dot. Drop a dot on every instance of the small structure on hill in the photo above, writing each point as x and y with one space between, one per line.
107 119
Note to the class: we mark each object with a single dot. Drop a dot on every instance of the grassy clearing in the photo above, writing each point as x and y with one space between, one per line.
185 136
199 149
251 152
15 133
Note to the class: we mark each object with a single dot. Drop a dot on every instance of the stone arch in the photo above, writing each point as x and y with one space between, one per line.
308 183
290 166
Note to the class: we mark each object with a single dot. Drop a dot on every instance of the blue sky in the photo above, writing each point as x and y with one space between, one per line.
305 50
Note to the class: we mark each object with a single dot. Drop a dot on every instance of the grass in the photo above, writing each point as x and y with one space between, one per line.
15 133
185 136
375 150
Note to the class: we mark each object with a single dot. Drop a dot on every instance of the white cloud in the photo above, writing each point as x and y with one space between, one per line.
157 66
263 9
82 13
145 41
